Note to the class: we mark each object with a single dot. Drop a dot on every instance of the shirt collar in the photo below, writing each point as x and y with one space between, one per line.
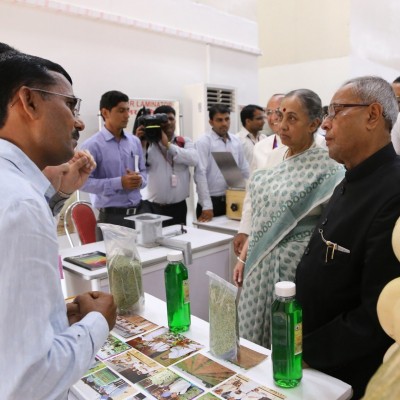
21 161
243 133
382 156
109 136
215 135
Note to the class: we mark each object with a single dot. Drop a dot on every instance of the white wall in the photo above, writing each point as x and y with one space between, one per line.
305 44
374 37
320 44
155 61
321 76
325 46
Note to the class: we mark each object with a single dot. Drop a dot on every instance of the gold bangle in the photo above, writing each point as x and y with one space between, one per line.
240 260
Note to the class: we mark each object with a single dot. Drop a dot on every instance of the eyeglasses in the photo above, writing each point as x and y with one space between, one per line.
335 108
74 104
269 112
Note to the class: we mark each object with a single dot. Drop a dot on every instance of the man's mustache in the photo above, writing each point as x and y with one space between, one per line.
75 134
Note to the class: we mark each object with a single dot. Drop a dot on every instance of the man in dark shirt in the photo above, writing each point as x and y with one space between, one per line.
350 257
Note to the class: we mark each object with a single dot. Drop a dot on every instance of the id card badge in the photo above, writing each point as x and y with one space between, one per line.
174 180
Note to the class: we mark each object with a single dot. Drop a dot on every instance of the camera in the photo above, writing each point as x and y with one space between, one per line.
152 126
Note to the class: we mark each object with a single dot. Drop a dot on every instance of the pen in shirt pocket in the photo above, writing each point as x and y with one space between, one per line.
136 162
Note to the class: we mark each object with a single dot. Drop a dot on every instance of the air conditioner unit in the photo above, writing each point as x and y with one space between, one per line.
198 99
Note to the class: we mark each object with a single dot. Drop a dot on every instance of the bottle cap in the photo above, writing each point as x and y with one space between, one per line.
285 289
175 255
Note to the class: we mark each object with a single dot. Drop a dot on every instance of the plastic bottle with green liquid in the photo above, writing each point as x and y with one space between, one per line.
287 336
177 292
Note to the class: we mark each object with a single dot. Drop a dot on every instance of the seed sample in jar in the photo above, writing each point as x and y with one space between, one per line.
224 333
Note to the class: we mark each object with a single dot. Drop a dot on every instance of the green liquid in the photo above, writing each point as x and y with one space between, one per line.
177 294
286 330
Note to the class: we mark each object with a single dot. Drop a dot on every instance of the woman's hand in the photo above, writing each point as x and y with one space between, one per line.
238 274
239 267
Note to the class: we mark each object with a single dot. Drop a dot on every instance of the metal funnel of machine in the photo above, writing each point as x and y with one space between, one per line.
149 234
148 227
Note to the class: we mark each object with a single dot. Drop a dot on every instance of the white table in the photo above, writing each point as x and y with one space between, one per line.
211 252
314 386
221 224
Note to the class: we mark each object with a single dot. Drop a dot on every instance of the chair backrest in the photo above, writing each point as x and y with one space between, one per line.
84 220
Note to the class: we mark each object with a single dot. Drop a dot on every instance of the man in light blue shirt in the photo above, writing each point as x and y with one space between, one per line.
45 345
210 183
115 184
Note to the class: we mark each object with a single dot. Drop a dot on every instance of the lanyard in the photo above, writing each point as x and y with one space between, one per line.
255 141
170 162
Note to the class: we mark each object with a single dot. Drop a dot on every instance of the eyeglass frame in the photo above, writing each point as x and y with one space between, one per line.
331 115
270 111
77 105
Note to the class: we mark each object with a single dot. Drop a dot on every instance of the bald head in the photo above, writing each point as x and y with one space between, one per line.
273 103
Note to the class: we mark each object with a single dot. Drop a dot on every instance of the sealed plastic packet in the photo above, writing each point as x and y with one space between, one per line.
124 268
224 331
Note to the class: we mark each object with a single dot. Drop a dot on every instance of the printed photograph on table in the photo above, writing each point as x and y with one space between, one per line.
164 346
167 385
97 365
141 396
103 384
112 347
208 396
203 371
133 365
129 326
240 387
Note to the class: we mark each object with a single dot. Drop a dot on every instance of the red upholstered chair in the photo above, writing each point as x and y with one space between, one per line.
84 220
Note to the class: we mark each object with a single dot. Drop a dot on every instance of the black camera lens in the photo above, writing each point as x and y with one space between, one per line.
152 126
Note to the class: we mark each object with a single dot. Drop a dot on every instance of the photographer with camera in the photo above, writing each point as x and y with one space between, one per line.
168 158
115 184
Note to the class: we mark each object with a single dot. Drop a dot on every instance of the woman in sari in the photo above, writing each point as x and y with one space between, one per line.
287 200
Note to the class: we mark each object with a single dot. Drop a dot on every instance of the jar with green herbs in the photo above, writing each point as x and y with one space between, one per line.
124 268
125 278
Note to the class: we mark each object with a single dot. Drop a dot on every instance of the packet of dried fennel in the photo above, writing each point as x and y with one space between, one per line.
124 268
224 331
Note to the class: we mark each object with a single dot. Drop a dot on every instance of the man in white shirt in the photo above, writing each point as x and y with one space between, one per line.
210 183
252 118
168 161
45 346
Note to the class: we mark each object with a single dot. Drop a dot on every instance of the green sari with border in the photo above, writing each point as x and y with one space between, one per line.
281 198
